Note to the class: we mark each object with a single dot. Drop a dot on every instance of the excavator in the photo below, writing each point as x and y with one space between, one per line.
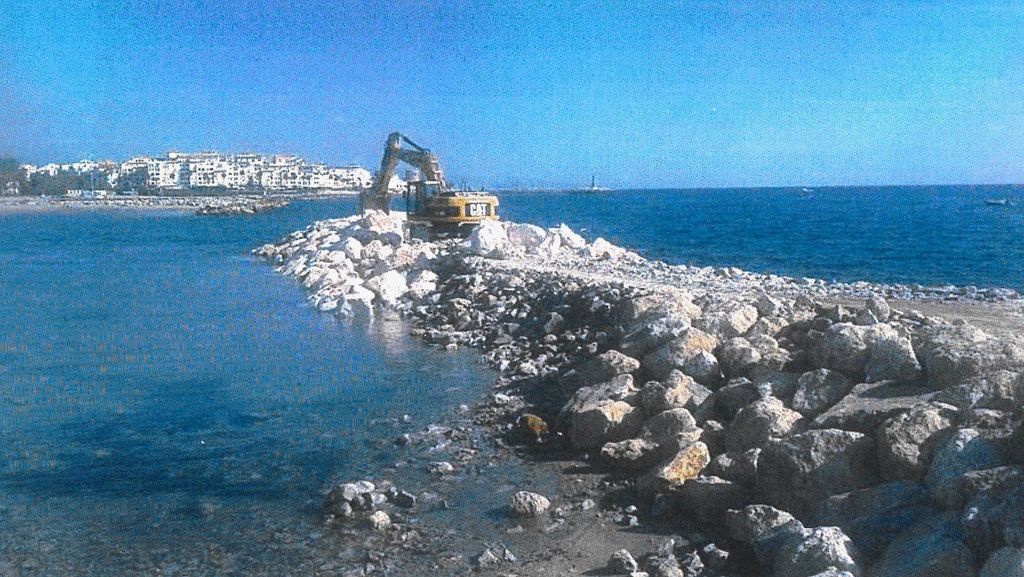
432 205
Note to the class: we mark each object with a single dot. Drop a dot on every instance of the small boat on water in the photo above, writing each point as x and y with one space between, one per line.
998 202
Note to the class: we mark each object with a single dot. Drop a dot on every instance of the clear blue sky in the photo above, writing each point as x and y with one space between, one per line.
681 94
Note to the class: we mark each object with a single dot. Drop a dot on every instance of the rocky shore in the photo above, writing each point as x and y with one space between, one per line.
750 424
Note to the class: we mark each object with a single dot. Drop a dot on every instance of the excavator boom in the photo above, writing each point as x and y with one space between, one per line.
378 197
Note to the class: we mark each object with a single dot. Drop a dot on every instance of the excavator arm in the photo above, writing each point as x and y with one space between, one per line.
378 196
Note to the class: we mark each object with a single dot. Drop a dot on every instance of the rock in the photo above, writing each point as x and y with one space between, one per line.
569 238
1000 390
932 548
799 472
707 498
653 332
403 499
833 572
760 421
389 286
675 354
526 236
631 454
818 390
964 450
892 358
685 465
352 248
441 467
735 395
422 282
527 504
622 561
842 348
656 397
870 404
704 368
756 522
954 354
599 422
737 356
873 517
907 441
818 550
488 239
602 249
607 366
733 321
672 429
619 388
769 306
878 307
738 467
1006 562
379 521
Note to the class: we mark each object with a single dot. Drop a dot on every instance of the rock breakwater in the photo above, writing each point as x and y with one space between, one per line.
806 437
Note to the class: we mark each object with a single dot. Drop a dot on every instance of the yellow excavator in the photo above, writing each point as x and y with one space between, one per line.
431 203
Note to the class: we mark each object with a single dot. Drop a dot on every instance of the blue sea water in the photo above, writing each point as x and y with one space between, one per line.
932 235
169 403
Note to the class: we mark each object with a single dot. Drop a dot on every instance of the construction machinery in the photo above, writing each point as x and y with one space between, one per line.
431 204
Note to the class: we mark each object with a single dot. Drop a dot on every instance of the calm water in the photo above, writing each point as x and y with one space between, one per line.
167 401
927 235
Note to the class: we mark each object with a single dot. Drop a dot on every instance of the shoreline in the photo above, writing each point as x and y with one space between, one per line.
24 204
598 344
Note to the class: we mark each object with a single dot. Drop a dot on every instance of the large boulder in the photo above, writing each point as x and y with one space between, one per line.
707 499
842 348
737 466
672 429
487 239
801 471
569 238
526 236
607 366
632 454
873 517
619 388
389 286
680 468
933 548
907 441
818 390
817 550
650 333
732 321
599 422
953 354
1000 390
737 356
676 354
870 404
658 396
604 250
759 422
757 522
964 450
891 358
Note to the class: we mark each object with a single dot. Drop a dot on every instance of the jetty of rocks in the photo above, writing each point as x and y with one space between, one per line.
810 437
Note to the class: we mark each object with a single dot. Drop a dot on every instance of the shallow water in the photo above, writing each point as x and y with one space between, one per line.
169 403
929 235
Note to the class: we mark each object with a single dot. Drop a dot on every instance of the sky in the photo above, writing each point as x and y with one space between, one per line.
532 94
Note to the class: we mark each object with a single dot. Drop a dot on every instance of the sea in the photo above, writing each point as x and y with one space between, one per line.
171 405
